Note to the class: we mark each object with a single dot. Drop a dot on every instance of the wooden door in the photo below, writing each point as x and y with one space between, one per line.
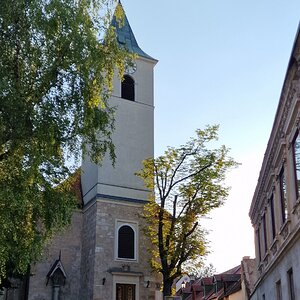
125 291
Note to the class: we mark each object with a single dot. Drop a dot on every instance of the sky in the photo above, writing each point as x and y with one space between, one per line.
220 62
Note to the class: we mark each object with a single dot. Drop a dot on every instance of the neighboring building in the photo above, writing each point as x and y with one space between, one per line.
248 276
103 255
182 281
275 208
225 286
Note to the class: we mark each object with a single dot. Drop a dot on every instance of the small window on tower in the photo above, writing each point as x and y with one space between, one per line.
127 88
126 242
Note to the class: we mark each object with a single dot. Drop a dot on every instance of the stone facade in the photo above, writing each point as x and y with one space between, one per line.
88 255
88 252
275 209
68 245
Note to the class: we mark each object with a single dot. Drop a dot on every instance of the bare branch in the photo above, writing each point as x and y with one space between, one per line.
191 175
175 171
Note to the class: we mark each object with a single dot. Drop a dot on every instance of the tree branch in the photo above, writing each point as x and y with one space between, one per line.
189 176
171 231
191 231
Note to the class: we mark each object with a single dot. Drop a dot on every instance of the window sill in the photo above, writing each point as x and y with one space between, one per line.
284 230
266 259
125 259
296 208
260 268
274 247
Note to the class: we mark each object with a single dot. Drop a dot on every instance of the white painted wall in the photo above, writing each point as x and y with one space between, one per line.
290 258
133 139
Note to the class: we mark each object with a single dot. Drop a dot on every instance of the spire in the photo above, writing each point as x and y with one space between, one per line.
124 33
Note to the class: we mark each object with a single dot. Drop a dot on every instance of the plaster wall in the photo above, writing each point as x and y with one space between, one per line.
279 271
237 296
133 139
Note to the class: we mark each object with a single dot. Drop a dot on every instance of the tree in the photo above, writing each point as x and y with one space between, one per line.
202 271
57 63
188 182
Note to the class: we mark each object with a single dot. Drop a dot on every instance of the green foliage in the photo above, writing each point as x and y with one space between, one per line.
198 269
57 63
188 182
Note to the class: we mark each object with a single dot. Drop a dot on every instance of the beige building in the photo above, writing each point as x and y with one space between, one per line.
103 255
275 209
233 284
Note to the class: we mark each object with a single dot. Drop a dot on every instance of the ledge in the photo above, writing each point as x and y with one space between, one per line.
296 208
122 272
284 230
274 247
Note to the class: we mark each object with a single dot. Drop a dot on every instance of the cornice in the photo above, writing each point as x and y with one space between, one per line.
277 142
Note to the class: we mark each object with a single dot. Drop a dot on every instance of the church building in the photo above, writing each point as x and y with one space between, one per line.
104 254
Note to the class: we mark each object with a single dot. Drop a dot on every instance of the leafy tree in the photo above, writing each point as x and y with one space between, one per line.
188 182
56 68
202 271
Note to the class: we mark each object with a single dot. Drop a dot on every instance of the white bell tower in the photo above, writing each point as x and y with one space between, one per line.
115 257
134 129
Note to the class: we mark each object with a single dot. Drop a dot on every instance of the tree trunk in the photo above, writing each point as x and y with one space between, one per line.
167 287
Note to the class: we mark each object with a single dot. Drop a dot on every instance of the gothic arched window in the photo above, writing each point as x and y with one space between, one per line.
127 88
126 242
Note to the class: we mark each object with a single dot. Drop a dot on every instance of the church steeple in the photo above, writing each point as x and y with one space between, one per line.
124 33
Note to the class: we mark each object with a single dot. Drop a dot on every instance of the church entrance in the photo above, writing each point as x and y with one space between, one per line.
125 291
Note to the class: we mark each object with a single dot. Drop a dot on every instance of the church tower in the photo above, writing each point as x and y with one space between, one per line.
115 260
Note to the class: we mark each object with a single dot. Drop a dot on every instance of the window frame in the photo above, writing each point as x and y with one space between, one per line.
259 244
128 88
278 290
297 180
272 215
264 223
283 195
134 227
291 284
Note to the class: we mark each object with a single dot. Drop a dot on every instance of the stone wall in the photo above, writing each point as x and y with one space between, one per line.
88 251
106 264
68 243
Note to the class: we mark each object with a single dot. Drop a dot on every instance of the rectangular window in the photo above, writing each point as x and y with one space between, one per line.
278 290
272 217
258 242
283 195
265 233
291 284
296 154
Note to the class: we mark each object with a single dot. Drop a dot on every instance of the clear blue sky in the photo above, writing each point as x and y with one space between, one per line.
220 62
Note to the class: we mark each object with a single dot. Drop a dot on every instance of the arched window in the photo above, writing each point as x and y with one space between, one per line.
127 88
126 237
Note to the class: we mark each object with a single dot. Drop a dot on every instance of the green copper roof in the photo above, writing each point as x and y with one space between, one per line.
125 36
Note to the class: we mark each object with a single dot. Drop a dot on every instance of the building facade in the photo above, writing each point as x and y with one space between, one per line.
224 286
275 208
104 254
